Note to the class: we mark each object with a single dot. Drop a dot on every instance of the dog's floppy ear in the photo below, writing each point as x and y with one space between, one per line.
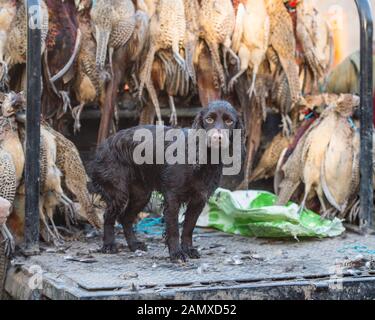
239 123
198 120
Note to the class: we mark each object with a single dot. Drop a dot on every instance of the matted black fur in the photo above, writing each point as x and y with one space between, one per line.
126 187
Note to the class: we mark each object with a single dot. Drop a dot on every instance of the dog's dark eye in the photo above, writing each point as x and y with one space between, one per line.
209 120
228 122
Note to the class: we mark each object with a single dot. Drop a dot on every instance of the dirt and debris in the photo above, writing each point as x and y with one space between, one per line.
81 269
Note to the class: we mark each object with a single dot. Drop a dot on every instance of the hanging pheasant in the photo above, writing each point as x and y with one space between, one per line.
217 20
250 39
8 186
12 161
168 27
88 84
16 44
126 64
314 37
74 175
8 11
283 43
114 24
191 35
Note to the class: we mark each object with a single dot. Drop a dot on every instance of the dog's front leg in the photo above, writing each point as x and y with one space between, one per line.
172 207
192 213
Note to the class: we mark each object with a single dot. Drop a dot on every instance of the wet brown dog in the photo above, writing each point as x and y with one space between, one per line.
126 186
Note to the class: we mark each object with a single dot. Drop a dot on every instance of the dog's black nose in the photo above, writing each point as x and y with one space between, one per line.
217 137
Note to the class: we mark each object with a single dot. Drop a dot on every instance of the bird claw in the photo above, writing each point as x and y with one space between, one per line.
4 74
236 61
231 84
287 125
252 90
76 113
8 240
71 209
173 119
181 62
300 210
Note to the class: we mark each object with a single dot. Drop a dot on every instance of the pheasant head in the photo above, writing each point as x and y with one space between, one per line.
13 103
346 104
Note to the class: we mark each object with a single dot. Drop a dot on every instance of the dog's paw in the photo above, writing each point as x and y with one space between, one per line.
191 252
110 248
178 256
137 245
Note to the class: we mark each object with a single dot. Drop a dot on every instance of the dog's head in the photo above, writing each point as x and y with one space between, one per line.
219 120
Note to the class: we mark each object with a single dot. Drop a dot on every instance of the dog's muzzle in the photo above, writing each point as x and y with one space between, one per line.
218 138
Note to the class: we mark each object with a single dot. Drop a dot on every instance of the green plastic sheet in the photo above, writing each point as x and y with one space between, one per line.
254 214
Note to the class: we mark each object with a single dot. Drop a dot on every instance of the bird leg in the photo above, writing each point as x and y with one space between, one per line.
55 237
253 82
303 203
110 51
245 59
76 113
173 118
154 98
145 75
354 211
71 209
190 48
263 103
227 49
4 75
135 80
244 55
286 124
8 239
180 60
235 78
59 237
319 192
66 103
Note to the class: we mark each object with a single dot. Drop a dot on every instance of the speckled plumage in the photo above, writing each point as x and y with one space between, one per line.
88 84
114 24
217 20
282 40
167 32
191 35
8 181
7 14
307 32
16 46
74 174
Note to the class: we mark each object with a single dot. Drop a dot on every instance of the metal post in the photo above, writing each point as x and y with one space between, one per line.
32 175
366 161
